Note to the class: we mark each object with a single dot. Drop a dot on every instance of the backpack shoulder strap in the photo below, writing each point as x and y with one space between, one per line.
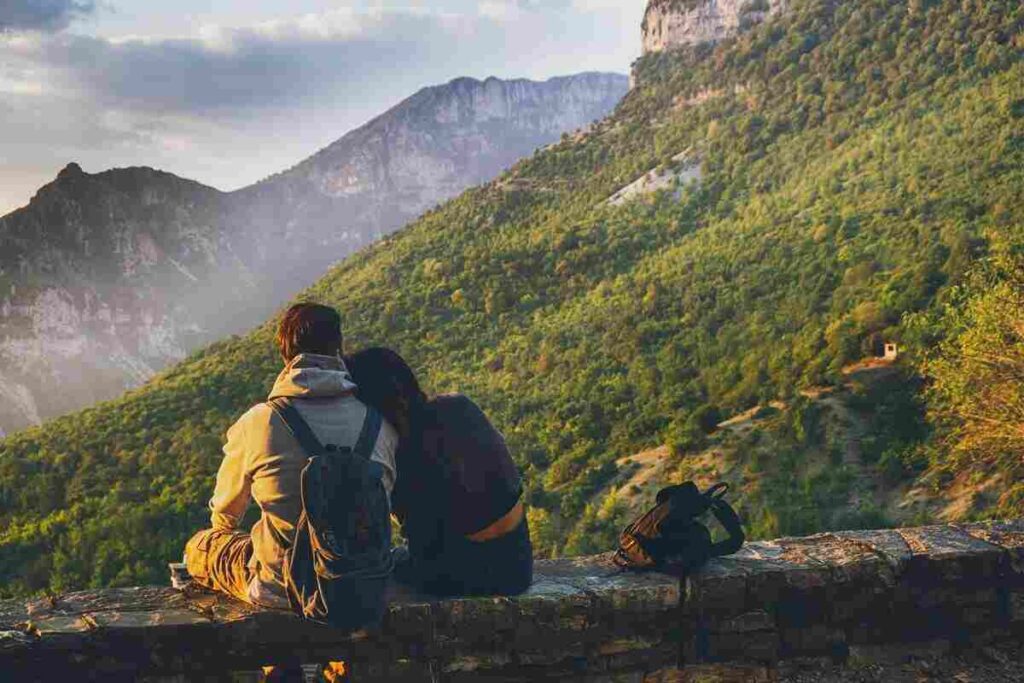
297 425
368 435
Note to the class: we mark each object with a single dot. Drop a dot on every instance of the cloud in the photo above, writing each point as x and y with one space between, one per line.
41 15
601 6
231 69
228 104
516 10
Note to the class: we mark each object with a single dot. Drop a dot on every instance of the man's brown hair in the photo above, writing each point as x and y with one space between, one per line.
309 328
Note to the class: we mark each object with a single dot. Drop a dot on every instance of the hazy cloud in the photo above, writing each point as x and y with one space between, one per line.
41 15
235 69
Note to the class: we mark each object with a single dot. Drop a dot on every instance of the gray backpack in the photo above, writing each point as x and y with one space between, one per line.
336 571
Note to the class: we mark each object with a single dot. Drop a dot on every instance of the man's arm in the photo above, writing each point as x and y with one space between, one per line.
234 482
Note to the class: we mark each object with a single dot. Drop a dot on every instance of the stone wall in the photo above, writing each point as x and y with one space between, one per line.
825 596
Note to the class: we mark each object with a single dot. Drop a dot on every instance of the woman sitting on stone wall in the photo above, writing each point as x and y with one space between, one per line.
458 492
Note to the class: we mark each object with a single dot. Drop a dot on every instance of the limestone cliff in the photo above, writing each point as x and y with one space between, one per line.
676 23
107 278
104 279
426 150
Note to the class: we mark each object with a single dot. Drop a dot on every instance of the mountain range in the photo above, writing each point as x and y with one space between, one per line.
698 285
106 278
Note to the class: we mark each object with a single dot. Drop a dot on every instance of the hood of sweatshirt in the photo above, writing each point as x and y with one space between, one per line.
313 376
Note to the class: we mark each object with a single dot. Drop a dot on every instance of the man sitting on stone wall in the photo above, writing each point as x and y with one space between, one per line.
264 462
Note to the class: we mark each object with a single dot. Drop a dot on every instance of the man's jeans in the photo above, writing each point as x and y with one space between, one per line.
219 560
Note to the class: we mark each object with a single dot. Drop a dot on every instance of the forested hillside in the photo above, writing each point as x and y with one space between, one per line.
861 177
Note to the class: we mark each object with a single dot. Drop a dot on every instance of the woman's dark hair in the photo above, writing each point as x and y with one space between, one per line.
309 328
387 383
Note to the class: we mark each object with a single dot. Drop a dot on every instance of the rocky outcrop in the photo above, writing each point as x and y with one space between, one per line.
426 150
850 598
103 280
683 170
676 23
107 278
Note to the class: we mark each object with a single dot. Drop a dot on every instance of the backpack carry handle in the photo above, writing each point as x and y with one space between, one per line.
718 491
728 518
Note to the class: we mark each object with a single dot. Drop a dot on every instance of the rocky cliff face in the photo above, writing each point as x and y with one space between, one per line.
106 278
103 280
676 23
426 150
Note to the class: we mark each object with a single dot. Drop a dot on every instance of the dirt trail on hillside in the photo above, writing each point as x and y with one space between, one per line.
854 431
650 466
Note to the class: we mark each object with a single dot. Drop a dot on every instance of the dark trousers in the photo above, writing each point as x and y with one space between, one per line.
456 565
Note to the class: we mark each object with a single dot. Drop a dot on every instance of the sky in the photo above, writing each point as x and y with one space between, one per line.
227 92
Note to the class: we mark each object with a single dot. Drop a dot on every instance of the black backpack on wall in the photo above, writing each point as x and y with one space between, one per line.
670 537
336 571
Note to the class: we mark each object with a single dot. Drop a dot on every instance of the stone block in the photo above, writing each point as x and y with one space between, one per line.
12 642
142 599
469 664
937 611
1008 535
594 599
394 673
656 656
720 587
1016 606
954 598
624 593
887 544
899 653
548 656
753 646
621 677
408 616
979 617
714 673
13 615
849 560
751 636
667 675
945 554
867 632
851 606
473 621
626 645
818 640
755 620
151 622
70 627
787 582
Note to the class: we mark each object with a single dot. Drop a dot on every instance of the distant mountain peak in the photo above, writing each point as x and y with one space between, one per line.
70 171
393 149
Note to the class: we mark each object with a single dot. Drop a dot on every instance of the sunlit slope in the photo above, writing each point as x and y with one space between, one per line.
855 160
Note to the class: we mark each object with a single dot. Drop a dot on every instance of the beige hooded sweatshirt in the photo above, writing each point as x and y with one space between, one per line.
263 462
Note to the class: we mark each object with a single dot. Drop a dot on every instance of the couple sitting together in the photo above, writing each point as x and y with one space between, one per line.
449 478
